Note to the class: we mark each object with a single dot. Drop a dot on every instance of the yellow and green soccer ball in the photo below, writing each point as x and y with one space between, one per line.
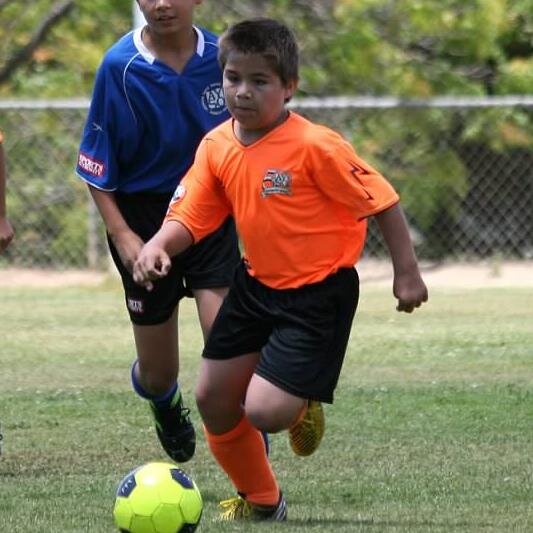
157 498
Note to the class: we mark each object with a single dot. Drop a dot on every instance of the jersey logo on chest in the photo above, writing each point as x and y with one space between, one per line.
276 182
213 99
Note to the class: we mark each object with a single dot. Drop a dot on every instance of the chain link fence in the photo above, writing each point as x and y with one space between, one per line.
463 167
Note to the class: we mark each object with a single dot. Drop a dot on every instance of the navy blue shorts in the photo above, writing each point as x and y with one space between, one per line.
208 264
301 333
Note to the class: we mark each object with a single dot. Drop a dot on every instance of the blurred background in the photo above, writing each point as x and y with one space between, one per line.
438 95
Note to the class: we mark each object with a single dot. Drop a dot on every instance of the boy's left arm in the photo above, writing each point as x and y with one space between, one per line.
408 286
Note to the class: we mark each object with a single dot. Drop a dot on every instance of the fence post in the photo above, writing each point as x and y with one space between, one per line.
92 233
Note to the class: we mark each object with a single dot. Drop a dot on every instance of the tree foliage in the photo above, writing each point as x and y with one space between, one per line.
63 60
413 48
405 48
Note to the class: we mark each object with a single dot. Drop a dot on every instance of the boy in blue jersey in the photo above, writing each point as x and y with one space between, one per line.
156 93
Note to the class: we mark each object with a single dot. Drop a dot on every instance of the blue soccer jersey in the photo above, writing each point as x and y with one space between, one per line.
145 120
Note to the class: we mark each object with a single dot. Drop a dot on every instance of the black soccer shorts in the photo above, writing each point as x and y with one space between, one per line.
301 333
208 264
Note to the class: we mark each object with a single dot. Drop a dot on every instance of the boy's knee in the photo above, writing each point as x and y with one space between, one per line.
263 420
203 399
208 401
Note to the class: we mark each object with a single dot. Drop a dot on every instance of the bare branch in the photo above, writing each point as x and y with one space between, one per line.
56 13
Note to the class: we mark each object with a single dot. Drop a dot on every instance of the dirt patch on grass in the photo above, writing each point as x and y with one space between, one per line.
460 275
372 272
30 277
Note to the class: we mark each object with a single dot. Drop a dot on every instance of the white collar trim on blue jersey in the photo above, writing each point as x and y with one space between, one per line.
149 57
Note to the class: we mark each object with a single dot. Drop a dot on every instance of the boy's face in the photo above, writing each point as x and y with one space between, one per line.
168 16
255 94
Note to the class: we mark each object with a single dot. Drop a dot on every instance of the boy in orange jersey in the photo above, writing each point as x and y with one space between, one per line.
300 197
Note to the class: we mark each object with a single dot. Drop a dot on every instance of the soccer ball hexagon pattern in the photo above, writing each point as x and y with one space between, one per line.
157 498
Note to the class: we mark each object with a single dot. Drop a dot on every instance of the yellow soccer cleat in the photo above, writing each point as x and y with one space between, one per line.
238 508
306 434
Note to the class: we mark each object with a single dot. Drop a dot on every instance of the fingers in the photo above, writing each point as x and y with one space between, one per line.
165 266
144 281
402 307
409 307
143 275
4 243
410 298
149 268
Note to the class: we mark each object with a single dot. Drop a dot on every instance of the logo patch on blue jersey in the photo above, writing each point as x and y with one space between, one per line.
213 99
90 165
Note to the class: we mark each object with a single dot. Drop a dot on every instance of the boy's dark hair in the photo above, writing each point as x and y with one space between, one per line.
266 37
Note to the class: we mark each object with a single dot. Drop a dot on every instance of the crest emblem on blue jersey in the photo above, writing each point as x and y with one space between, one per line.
213 99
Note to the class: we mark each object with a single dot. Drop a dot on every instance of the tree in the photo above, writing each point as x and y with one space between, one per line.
56 13
412 48
53 47
405 48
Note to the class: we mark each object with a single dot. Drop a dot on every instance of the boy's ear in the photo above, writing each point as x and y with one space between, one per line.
290 89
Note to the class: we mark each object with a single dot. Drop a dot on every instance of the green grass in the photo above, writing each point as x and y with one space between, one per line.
431 430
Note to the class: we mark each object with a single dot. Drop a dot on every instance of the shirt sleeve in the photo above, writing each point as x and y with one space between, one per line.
97 156
199 202
346 178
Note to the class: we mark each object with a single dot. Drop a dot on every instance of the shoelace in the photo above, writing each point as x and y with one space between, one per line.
167 417
306 423
184 414
235 508
304 428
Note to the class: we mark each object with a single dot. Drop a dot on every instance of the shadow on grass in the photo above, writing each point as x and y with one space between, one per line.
404 525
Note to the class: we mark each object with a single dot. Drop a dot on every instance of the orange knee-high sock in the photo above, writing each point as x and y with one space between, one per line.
241 454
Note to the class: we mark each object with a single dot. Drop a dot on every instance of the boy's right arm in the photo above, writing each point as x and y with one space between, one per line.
126 241
6 231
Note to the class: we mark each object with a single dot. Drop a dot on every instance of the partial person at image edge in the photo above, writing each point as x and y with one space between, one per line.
6 229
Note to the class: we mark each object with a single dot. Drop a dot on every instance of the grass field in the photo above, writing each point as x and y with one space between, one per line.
431 430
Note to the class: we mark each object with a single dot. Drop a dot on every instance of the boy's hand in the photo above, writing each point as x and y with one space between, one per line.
410 290
128 245
151 264
6 233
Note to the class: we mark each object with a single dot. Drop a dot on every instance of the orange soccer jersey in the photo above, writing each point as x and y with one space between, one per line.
299 195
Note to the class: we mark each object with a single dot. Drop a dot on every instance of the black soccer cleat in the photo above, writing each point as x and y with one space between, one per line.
174 429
